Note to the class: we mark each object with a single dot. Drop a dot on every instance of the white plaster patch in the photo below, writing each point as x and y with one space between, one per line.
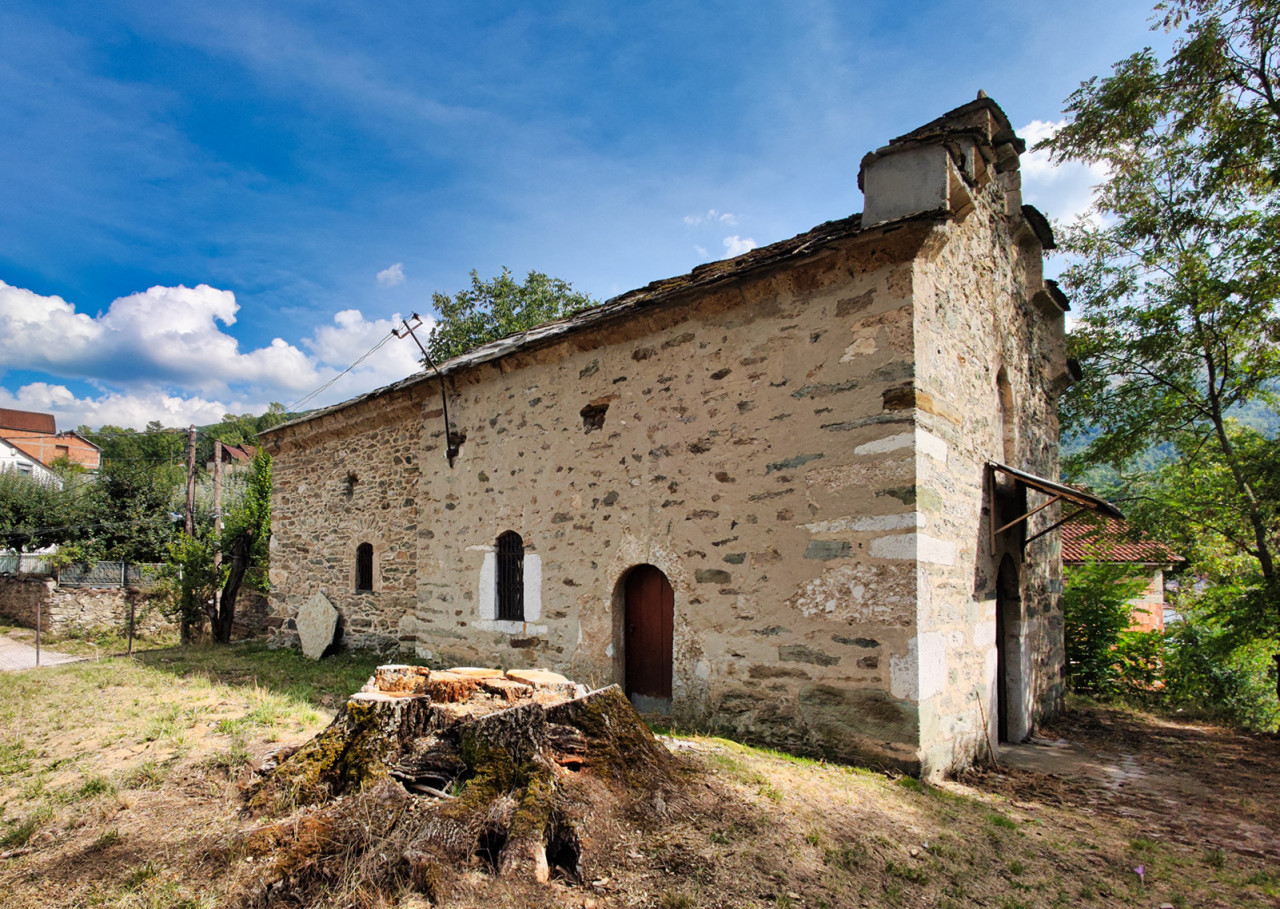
929 444
875 522
487 589
702 670
984 634
914 546
859 348
889 443
933 663
507 626
532 587
904 673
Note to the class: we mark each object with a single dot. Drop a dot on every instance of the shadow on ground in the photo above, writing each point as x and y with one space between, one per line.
325 684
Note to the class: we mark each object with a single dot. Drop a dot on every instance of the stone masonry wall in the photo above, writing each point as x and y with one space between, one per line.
354 481
744 441
983 318
79 609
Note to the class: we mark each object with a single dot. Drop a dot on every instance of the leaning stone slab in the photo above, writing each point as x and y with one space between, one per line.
317 621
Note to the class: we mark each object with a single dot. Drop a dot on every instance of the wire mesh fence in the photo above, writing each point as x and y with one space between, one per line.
28 563
83 574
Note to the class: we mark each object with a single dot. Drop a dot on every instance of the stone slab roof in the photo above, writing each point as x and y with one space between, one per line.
703 276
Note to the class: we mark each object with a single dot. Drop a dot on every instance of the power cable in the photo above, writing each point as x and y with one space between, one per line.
367 354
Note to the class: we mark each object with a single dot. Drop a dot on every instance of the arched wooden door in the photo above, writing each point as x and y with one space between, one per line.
648 620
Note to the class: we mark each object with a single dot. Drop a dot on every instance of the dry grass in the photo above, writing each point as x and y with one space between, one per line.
120 786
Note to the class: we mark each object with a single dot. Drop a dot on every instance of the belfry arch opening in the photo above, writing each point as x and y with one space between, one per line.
1008 418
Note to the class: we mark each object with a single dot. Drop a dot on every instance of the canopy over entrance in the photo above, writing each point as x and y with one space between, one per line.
1056 492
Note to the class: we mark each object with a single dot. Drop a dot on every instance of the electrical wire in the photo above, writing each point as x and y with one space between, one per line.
370 352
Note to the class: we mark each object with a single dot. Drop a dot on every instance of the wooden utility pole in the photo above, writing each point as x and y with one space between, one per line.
185 624
217 529
191 481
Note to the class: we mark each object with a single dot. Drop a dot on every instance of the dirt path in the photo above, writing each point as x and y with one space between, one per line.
15 656
1183 783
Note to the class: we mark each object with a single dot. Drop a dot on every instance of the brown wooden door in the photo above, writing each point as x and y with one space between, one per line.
649 618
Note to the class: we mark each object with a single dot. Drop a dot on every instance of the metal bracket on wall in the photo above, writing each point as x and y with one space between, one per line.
1057 492
451 447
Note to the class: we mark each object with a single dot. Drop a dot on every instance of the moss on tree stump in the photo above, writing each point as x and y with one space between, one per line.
505 773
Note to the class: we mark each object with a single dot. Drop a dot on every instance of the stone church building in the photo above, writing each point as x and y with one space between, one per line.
784 496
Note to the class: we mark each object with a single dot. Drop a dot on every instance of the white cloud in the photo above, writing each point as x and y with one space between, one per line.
128 410
711 217
736 246
391 276
351 335
164 354
1062 191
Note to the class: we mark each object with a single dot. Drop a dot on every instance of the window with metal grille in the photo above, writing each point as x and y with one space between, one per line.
364 566
510 593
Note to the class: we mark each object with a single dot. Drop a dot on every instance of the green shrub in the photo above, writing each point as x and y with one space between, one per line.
1210 669
1096 612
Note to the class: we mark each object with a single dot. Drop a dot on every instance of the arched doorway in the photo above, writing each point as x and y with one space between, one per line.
648 621
1011 712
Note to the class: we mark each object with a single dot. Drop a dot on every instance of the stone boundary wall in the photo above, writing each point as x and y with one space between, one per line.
65 610
69 609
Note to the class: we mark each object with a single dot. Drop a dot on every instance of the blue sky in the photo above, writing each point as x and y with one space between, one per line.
208 207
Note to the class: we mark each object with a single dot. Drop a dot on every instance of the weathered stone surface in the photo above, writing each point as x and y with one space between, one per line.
317 621
802 653
808 406
825 550
88 609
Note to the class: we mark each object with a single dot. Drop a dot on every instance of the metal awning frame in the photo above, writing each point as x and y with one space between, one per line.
1057 492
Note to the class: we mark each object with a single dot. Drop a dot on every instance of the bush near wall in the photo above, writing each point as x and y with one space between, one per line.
1196 664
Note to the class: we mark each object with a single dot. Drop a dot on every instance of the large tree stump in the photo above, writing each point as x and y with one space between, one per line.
504 772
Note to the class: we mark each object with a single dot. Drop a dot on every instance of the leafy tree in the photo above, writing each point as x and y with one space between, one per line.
1208 668
34 513
1174 273
1095 606
193 570
246 537
131 506
499 307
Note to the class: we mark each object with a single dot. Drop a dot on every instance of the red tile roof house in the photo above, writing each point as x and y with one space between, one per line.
236 457
1114 542
37 434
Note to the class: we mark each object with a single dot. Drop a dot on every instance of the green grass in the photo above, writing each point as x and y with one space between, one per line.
323 683
14 757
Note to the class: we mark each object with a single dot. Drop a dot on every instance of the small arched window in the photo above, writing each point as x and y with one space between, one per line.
364 567
510 592
1008 418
